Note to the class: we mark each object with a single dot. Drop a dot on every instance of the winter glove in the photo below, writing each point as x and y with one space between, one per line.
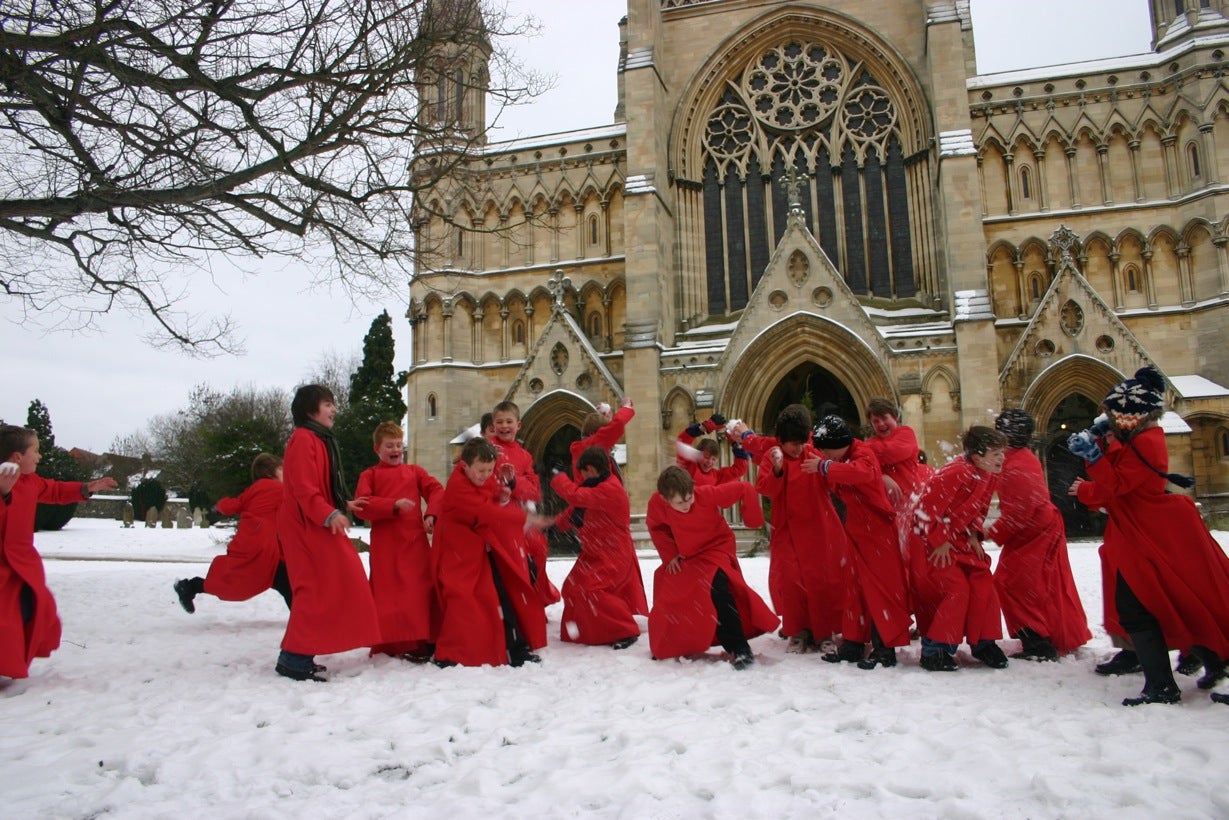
1100 426
1084 445
695 430
718 419
824 465
740 452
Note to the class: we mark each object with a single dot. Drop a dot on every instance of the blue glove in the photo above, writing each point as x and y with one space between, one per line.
740 452
695 430
1100 426
1084 445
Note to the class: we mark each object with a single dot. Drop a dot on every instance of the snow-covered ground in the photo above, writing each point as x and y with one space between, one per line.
146 711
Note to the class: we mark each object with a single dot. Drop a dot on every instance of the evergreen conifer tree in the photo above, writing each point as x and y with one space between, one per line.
56 464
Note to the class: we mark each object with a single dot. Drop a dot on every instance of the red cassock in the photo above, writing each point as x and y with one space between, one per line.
1033 576
1160 545
809 571
470 522
332 610
898 458
604 590
717 475
959 600
881 586
527 489
683 620
402 583
606 437
250 562
21 566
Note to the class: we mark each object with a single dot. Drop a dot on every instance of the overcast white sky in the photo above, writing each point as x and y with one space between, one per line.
110 383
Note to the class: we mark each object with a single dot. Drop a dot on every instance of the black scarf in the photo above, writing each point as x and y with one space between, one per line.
337 480
578 513
1183 481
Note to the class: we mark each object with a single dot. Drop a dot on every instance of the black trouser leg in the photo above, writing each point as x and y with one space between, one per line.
518 647
281 583
26 601
1146 635
729 622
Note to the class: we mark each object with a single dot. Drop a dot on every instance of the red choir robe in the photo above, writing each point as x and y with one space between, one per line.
402 583
606 437
604 590
959 600
683 619
21 566
717 475
809 571
332 609
471 522
898 458
251 558
881 586
1033 577
527 489
1160 545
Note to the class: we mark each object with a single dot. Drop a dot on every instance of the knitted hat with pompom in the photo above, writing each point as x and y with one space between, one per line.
1132 401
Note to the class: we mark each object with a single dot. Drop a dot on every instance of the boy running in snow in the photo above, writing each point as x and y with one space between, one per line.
29 622
253 559
600 429
896 447
391 496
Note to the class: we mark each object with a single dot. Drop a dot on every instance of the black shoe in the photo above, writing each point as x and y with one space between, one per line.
1220 697
522 658
444 664
1166 694
183 588
882 656
939 662
1213 667
414 657
991 655
1188 663
848 651
624 643
319 667
1034 647
1126 662
295 674
742 660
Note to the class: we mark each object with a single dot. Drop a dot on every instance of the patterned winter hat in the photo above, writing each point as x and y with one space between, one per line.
1132 401
832 433
1016 425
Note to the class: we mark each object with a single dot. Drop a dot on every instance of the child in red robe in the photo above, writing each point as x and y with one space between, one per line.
600 429
953 591
603 593
331 609
809 571
896 447
1033 577
391 496
515 469
700 456
29 622
699 595
878 609
1170 584
253 559
491 613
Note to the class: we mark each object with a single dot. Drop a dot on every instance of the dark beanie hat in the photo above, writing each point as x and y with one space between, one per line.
832 433
1016 425
1132 401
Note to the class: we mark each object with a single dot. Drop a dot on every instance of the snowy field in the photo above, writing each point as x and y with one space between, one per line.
148 712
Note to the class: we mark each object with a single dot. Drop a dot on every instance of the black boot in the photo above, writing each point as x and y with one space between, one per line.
1034 647
1189 662
187 589
1213 666
989 653
1220 697
1126 662
848 651
1153 653
879 654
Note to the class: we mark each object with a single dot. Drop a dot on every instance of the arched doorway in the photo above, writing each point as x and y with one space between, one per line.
557 454
1073 413
814 386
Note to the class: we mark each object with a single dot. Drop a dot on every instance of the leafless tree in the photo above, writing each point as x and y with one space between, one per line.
138 137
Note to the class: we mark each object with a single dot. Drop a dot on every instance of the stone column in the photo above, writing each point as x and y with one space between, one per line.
1116 277
1043 199
1133 145
1211 172
1073 175
1169 151
1103 151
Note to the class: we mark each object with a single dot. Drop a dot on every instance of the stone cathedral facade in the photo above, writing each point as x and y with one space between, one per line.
824 201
